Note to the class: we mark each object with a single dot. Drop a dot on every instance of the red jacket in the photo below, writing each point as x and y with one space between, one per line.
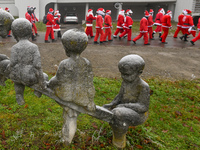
158 18
128 22
57 23
180 20
107 21
198 25
150 21
166 21
50 20
89 20
28 17
99 22
143 25
120 21
187 21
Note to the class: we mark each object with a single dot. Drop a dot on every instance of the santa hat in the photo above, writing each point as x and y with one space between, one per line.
129 11
188 11
146 14
121 12
7 9
161 10
151 11
100 11
51 10
169 12
57 13
108 11
90 10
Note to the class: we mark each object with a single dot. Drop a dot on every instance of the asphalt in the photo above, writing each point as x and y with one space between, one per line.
172 42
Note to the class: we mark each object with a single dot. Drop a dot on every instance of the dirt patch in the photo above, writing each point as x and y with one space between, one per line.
174 63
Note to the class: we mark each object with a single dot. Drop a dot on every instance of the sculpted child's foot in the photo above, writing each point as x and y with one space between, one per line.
20 99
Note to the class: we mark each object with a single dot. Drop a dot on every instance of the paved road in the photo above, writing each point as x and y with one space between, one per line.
171 41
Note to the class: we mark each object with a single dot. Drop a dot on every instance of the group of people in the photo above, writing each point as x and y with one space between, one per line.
30 16
52 23
125 22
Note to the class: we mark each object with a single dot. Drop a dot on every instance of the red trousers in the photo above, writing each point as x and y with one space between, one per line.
117 31
34 27
145 34
150 30
127 31
108 34
185 31
164 35
177 31
99 31
158 29
49 30
89 31
196 38
9 32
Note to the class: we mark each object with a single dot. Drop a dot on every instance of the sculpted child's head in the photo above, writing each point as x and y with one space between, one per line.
74 41
6 20
131 66
21 29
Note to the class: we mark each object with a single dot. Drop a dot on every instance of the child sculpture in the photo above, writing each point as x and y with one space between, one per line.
6 20
73 81
130 106
25 62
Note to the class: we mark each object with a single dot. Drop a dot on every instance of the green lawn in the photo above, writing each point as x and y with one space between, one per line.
173 123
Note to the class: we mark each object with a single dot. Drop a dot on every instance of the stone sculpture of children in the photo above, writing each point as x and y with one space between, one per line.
25 62
130 106
6 20
73 81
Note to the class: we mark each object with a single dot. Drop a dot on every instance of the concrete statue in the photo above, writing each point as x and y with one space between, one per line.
72 86
131 105
73 81
6 20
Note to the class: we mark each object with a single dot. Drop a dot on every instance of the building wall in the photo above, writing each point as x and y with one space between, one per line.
22 6
180 5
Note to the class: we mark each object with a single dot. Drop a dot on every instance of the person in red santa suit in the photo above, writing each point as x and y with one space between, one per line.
127 25
34 18
179 25
150 24
158 23
28 16
120 23
8 10
198 36
143 29
49 26
166 25
108 25
187 23
56 28
89 20
99 26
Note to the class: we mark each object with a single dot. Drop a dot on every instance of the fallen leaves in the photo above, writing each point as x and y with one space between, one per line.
3 135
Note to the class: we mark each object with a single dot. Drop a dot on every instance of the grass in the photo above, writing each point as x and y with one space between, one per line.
135 27
173 123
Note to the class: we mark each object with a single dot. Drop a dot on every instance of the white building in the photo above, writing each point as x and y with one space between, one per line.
19 7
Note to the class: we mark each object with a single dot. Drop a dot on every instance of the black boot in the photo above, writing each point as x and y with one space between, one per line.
33 38
185 37
159 35
153 34
53 40
59 34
